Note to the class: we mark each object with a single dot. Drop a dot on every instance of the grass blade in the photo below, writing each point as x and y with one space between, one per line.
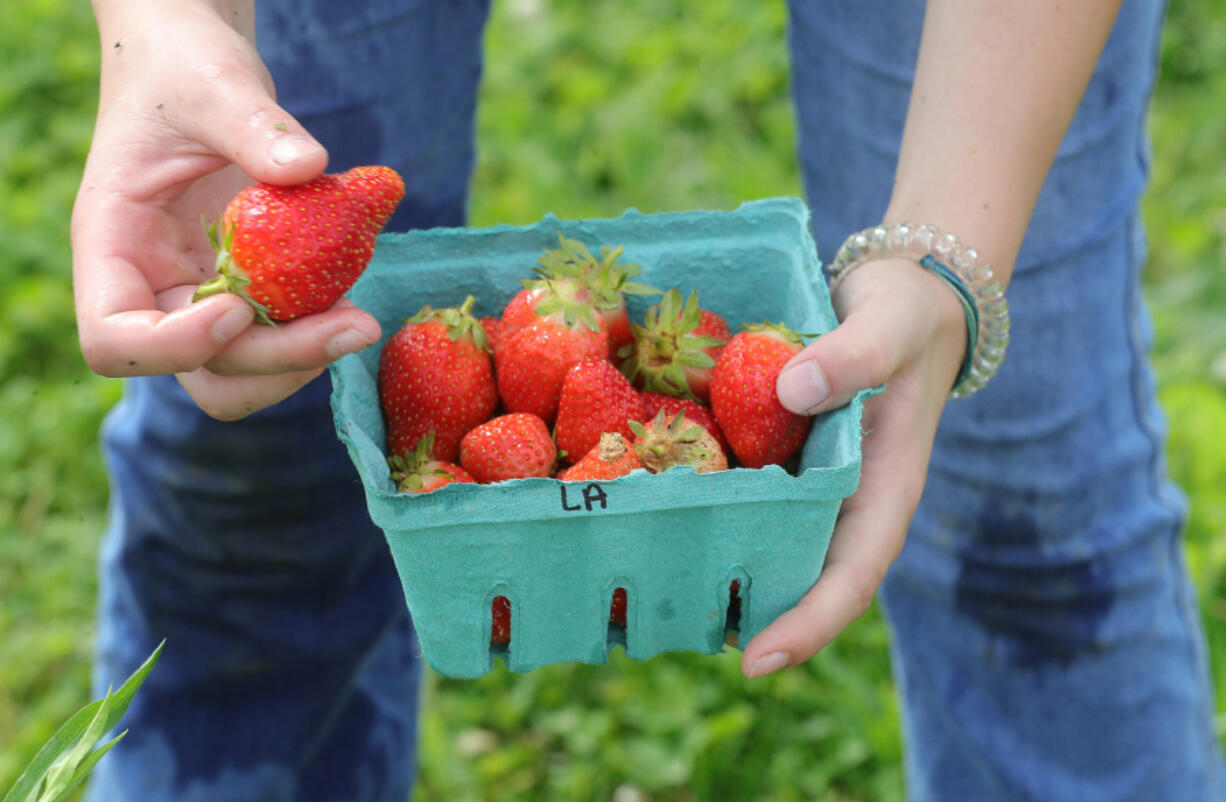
103 714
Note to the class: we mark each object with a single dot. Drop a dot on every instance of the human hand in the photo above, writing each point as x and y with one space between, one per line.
902 327
187 117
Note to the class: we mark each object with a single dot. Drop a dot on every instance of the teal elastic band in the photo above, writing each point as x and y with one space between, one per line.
969 308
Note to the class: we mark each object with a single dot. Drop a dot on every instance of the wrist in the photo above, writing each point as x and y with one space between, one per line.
152 43
126 26
996 234
966 279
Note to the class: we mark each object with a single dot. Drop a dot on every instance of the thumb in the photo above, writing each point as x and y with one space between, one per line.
243 123
888 323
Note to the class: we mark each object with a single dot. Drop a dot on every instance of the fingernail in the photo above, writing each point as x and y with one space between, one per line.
768 664
289 149
227 327
347 342
802 387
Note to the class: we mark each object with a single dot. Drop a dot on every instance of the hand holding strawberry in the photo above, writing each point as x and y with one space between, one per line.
161 158
903 328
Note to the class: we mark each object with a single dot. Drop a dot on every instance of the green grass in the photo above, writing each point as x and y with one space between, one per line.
585 112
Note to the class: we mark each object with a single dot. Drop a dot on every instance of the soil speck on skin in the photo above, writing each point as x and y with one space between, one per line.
160 105
132 364
119 45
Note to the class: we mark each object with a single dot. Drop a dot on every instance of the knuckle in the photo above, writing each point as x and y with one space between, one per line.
183 358
98 359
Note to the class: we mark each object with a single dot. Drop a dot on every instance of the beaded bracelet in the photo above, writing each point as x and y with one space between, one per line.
982 298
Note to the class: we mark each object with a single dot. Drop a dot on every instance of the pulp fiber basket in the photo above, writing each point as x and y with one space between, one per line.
557 551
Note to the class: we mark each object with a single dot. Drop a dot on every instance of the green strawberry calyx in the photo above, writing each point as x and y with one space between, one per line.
779 331
566 300
664 346
460 322
666 443
605 277
230 277
409 470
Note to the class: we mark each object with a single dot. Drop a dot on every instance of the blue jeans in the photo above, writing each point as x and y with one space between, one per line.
1046 642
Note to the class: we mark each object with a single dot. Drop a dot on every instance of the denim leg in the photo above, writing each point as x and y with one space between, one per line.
291 667
1046 640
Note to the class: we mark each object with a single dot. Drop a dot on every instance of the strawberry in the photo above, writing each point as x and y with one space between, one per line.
293 251
694 413
512 446
419 472
617 610
606 279
665 443
436 375
675 348
760 430
608 459
531 360
500 631
595 398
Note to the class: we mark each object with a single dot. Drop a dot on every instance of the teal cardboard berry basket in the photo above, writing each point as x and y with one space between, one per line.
558 551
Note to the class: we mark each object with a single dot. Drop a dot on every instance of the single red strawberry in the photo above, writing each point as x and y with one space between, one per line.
607 280
419 472
436 375
694 413
665 443
531 361
759 428
512 446
595 398
500 631
617 610
675 348
608 459
293 251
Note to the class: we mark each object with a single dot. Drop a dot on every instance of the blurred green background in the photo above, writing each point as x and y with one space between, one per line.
586 110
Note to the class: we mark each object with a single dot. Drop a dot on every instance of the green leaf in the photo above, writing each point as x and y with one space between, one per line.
83 770
696 359
58 780
637 288
96 717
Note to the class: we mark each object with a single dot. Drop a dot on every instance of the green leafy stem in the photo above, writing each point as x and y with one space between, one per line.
65 760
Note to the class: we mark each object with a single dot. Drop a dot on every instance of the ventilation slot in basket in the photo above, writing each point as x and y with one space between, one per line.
500 627
732 617
615 634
